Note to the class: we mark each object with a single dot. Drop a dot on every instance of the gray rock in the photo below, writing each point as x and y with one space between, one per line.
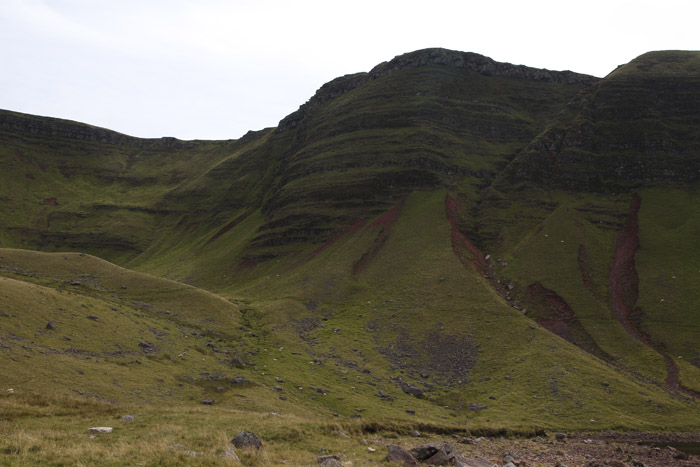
412 390
147 347
128 418
230 453
400 455
444 456
475 406
415 433
246 440
425 451
237 362
208 402
100 429
478 461
331 460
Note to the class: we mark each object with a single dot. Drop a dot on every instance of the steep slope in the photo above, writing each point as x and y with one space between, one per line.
425 120
567 214
70 186
444 235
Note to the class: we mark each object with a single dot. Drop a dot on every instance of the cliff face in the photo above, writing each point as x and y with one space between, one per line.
435 56
639 126
48 127
427 119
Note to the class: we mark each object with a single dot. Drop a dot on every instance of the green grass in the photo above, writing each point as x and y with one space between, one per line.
194 253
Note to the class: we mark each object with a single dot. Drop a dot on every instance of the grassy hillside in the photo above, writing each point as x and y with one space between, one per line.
443 243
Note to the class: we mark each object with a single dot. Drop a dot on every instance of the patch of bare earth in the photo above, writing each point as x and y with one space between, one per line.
624 293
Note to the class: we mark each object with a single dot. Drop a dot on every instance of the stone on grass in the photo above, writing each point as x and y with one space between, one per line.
100 429
128 418
230 453
444 456
425 451
478 461
412 390
331 460
400 455
246 440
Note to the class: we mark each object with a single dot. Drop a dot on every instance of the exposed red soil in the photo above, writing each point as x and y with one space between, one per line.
561 319
348 230
229 226
388 218
51 201
249 263
559 316
465 250
624 293
470 256
383 223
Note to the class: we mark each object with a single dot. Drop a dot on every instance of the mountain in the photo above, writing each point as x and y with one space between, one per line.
476 242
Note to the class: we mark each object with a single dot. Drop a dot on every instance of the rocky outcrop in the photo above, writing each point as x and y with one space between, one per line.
59 128
478 63
637 127
426 57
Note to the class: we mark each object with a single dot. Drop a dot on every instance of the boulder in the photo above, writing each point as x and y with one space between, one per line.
246 440
331 460
425 451
412 390
400 455
444 456
100 429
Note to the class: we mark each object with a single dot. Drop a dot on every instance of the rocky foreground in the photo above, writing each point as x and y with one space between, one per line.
589 450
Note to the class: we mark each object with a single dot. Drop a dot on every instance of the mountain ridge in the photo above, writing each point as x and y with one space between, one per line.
442 226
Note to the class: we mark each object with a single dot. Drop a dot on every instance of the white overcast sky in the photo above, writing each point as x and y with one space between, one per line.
213 69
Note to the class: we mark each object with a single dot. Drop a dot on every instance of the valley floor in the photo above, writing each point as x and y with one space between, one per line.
39 430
